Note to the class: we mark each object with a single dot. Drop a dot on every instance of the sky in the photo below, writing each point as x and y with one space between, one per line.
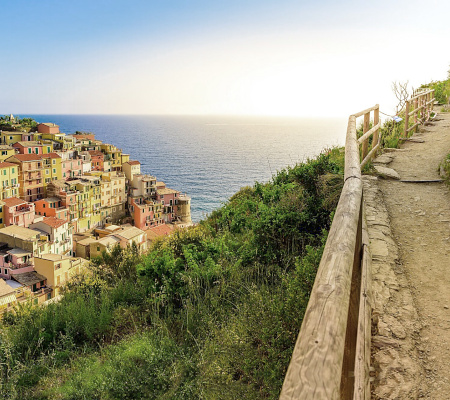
236 57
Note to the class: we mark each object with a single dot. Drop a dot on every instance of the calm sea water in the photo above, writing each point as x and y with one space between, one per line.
209 158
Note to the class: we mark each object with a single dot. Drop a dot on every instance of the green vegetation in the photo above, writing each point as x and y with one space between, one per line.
445 168
210 312
17 124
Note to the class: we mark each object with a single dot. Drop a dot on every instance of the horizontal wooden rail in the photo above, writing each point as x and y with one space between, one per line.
331 358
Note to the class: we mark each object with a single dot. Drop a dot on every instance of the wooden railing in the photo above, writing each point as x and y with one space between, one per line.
422 104
331 358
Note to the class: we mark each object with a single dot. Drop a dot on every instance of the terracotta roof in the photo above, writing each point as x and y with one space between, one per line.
31 143
13 201
159 231
26 157
95 153
133 162
7 164
53 222
49 155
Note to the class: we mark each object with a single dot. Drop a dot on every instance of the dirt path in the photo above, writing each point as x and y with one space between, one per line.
412 271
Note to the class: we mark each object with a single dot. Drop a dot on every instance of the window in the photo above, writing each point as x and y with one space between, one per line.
48 149
98 248
54 162
29 150
13 170
4 172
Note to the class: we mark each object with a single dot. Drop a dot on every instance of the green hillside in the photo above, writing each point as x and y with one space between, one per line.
211 312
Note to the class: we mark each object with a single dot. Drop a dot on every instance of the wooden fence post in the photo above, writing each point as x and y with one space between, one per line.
365 144
405 134
376 135
416 104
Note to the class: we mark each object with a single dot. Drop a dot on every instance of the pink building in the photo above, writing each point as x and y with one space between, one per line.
28 147
169 200
145 213
18 212
71 168
14 261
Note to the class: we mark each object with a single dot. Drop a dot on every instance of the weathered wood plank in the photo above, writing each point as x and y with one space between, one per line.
369 132
368 110
352 166
365 143
362 361
316 365
370 155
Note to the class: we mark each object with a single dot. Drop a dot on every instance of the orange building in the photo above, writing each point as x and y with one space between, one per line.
52 207
48 128
97 160
30 175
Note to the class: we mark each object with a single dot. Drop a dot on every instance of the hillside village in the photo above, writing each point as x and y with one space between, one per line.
66 198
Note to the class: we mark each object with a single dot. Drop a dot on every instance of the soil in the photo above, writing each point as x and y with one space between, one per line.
409 228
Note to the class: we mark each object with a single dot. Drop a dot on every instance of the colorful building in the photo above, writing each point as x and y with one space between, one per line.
28 147
48 128
18 212
97 159
58 269
113 154
145 213
71 168
124 236
52 168
52 207
58 233
6 151
9 180
31 186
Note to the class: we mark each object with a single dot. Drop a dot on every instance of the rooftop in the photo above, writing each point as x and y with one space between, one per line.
30 143
5 289
129 233
13 201
167 191
133 162
7 164
29 278
53 222
19 232
53 257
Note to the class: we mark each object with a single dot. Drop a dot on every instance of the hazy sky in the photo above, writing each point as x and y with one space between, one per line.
270 57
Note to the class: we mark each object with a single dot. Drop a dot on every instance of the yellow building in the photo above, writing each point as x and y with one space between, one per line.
52 170
58 269
89 202
6 151
113 154
2 214
47 146
10 137
9 180
113 195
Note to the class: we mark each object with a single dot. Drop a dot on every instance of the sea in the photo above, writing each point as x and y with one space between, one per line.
209 157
